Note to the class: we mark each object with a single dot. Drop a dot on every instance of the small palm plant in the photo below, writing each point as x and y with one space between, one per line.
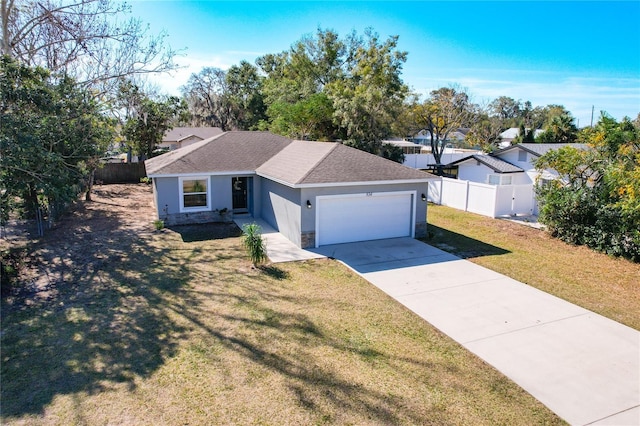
254 244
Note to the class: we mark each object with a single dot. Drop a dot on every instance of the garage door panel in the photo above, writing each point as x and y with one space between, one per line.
361 217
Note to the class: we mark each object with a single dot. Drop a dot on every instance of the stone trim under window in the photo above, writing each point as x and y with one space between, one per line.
195 194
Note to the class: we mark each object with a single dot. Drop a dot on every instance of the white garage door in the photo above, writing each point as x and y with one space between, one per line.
362 217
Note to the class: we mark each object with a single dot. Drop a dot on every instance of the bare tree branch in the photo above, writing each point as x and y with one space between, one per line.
92 41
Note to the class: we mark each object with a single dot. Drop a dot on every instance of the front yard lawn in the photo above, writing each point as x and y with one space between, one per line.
123 325
595 281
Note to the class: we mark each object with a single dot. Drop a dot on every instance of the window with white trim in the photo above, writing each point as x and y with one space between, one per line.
194 193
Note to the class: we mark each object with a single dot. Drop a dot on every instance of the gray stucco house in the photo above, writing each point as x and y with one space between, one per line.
314 193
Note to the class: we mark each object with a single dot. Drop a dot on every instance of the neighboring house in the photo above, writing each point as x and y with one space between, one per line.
426 161
508 136
524 155
484 168
516 161
512 169
454 138
314 193
406 146
179 137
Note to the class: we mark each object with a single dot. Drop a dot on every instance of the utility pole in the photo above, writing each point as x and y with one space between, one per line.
592 107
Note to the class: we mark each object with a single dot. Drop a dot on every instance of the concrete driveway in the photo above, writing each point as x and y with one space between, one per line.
583 366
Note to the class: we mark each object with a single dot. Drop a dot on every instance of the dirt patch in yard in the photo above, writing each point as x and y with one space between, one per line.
92 235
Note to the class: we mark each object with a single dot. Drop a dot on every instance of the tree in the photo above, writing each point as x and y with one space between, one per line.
52 134
149 121
245 94
507 110
559 129
329 88
392 152
525 135
89 40
207 95
304 120
596 201
296 85
370 99
485 133
446 110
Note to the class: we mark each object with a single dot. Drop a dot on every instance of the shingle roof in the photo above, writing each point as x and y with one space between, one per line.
312 163
278 158
228 152
496 164
346 164
540 149
294 162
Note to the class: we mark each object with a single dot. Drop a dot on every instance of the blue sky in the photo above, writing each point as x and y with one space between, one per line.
577 54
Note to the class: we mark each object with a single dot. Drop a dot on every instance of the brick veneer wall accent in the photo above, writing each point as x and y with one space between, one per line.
308 239
195 217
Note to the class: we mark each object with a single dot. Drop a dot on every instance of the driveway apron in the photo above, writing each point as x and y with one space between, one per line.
583 366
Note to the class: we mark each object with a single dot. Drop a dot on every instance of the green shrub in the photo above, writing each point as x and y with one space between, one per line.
583 216
158 224
254 244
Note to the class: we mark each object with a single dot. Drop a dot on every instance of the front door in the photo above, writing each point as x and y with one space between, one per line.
239 193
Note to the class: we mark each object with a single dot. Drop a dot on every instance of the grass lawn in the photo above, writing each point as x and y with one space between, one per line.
606 285
123 325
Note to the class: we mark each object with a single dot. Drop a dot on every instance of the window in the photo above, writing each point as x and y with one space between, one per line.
194 194
522 156
499 180
493 179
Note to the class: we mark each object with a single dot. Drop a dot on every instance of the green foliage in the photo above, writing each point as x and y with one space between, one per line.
307 119
484 133
52 135
244 85
447 109
329 88
392 152
597 200
230 99
369 101
507 111
158 224
559 129
525 135
254 244
148 120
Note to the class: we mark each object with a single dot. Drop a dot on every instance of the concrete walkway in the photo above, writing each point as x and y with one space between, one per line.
583 366
279 248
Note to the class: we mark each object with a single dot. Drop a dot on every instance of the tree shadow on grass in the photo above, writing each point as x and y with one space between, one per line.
275 272
90 317
317 387
460 245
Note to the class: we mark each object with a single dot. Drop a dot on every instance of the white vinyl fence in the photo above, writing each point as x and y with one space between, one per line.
480 198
